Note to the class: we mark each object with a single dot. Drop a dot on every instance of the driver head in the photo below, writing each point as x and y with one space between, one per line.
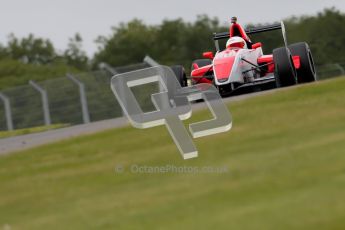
236 42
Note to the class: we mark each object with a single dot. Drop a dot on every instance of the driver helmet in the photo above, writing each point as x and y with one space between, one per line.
236 42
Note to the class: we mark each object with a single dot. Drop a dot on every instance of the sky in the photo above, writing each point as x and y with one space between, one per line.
59 20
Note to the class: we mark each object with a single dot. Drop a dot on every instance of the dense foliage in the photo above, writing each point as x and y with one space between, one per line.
32 58
171 42
180 42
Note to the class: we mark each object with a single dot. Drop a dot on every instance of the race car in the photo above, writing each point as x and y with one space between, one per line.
242 63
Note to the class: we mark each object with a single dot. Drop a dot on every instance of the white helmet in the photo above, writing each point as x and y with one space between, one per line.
236 42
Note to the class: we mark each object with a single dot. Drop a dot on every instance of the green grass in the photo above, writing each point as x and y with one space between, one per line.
17 132
286 160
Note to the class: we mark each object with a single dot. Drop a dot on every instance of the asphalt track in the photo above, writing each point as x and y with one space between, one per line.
18 143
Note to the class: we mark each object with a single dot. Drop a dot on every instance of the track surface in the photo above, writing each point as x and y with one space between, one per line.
18 143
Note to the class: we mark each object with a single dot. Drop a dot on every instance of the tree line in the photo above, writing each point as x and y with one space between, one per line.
172 42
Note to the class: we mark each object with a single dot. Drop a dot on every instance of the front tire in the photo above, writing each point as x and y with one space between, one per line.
306 72
285 72
180 74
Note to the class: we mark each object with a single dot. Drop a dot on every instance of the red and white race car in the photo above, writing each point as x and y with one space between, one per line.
242 63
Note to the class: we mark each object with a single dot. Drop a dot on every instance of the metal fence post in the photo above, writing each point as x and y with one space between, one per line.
108 68
342 71
150 61
8 111
83 99
45 103
153 63
111 70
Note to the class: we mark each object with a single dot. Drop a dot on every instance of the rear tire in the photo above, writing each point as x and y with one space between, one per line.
180 74
306 72
285 72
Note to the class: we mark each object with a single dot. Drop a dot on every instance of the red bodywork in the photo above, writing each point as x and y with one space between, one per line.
198 73
237 30
225 64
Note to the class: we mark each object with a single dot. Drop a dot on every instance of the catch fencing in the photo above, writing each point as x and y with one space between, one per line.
69 100
83 98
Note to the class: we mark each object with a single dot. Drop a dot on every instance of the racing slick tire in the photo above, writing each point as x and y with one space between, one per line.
285 72
201 63
180 74
306 72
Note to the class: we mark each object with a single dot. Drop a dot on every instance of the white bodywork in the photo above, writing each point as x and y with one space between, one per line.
239 66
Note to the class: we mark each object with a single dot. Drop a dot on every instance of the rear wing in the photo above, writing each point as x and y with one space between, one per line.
255 30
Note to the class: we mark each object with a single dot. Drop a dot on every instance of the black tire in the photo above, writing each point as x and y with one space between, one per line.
285 72
180 74
201 63
306 73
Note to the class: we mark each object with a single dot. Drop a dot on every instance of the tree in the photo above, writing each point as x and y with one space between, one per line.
172 42
74 55
30 49
128 44
179 42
